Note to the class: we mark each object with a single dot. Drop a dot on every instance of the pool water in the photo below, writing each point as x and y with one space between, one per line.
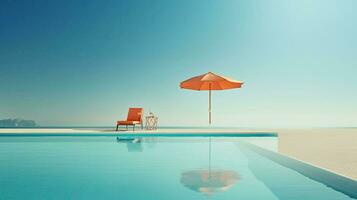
148 168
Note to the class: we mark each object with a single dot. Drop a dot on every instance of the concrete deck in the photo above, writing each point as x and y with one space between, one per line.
334 149
123 131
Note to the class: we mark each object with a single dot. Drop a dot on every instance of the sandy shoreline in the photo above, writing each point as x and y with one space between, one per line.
334 149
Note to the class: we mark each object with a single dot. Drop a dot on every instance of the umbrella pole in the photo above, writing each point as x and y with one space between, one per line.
209 158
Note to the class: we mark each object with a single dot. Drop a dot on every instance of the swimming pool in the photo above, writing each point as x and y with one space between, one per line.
79 167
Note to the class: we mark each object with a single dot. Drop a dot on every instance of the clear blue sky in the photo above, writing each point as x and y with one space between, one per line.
73 62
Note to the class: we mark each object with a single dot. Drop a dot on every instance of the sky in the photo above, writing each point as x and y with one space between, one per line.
84 62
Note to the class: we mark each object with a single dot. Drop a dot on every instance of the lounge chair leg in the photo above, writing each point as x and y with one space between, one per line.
126 127
142 127
133 127
117 127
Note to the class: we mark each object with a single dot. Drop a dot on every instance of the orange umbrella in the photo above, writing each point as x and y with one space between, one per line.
210 81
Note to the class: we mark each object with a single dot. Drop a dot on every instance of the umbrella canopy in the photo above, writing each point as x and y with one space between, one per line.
210 81
208 182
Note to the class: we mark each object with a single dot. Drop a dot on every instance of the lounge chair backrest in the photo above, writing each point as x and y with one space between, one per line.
135 114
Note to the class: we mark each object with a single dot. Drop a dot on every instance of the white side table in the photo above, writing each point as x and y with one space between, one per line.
151 122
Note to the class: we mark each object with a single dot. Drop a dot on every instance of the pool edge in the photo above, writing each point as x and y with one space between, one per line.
169 134
338 182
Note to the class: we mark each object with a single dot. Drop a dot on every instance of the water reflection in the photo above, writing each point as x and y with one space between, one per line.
132 144
209 181
151 142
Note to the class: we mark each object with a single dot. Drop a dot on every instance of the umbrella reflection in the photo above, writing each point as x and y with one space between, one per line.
209 181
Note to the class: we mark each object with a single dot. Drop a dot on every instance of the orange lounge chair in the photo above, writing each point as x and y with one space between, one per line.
134 117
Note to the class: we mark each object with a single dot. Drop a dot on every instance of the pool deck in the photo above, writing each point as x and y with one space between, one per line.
129 131
334 149
137 132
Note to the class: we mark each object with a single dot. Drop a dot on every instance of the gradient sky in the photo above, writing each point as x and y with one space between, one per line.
73 62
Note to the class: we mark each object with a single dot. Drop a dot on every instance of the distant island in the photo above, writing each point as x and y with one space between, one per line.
8 123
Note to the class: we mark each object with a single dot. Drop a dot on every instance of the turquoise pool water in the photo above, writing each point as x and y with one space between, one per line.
149 168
